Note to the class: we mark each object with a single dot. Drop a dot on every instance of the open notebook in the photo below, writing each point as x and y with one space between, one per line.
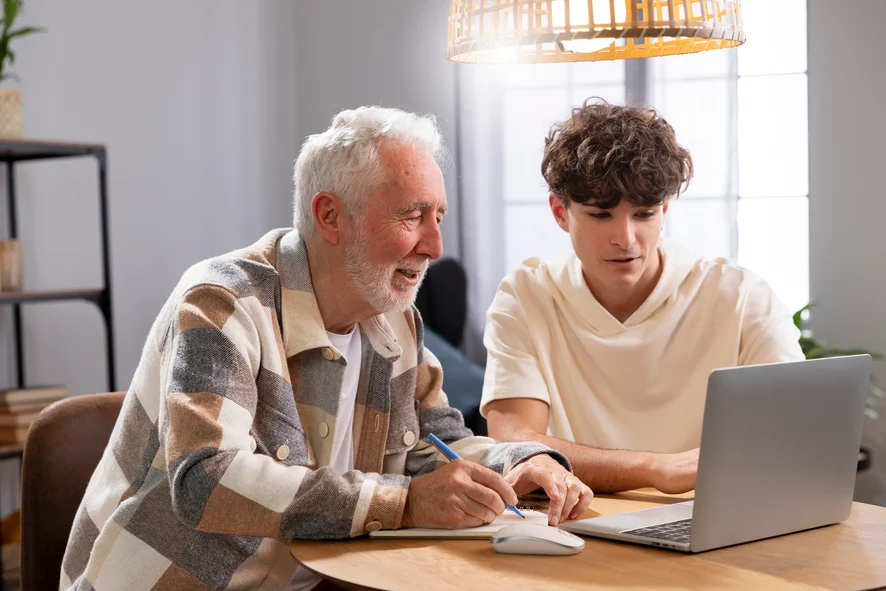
483 532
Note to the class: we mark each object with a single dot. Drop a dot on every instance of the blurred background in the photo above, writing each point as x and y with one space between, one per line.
203 105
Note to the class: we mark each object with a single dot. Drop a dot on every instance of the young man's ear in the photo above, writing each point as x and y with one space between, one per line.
559 209
327 210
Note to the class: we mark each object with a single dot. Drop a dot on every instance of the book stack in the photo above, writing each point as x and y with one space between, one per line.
19 408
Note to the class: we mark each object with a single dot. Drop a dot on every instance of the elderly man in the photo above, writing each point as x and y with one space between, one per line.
284 392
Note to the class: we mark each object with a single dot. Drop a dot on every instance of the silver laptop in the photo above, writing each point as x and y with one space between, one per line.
779 452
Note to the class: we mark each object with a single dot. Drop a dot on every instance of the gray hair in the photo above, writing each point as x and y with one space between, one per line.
343 160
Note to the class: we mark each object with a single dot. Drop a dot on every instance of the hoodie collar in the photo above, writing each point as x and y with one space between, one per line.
575 298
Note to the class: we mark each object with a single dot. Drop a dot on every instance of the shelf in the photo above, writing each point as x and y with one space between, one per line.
20 297
12 151
15 150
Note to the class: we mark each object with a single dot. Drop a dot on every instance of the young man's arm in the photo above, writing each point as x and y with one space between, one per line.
604 470
525 465
515 404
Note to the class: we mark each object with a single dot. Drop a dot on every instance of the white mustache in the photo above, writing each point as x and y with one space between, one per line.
414 268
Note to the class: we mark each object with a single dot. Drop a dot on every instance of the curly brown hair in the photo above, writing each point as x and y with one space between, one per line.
605 153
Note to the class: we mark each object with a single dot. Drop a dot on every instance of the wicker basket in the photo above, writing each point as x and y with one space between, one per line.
540 31
10 114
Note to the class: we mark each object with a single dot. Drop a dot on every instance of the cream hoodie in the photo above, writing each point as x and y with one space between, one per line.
639 385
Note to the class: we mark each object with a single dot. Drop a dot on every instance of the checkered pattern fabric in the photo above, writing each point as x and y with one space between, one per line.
220 455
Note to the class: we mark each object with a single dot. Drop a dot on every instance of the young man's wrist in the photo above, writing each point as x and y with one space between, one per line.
648 469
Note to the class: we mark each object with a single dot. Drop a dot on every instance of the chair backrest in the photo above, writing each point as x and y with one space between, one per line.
442 300
64 445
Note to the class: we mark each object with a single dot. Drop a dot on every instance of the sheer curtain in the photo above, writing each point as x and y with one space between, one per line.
742 113
504 116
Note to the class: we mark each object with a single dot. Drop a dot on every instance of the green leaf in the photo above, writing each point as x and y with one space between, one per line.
798 315
10 11
817 349
810 347
25 31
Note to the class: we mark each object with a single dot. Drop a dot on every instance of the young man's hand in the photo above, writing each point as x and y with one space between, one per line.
569 495
459 494
674 473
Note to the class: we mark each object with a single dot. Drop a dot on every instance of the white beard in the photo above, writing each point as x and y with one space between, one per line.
375 283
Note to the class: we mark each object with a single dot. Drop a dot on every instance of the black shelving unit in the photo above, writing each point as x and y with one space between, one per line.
12 151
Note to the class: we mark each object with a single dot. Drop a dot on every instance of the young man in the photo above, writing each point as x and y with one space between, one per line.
605 355
285 393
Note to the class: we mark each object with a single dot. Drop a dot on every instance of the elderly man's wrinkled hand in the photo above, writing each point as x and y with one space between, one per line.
569 495
459 494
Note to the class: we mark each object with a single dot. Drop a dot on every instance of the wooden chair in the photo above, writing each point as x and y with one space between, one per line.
64 445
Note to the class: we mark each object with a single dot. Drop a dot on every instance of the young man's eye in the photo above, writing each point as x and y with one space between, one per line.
599 216
645 214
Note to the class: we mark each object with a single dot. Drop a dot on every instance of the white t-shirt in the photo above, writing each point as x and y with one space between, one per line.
341 458
638 385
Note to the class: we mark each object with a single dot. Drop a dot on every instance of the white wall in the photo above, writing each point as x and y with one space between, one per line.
196 103
847 202
385 52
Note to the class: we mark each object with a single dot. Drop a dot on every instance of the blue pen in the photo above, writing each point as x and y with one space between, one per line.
449 453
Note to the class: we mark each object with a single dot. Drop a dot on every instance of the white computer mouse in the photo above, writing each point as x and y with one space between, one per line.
536 538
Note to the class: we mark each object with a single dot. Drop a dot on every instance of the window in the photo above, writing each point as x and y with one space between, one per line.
534 97
740 112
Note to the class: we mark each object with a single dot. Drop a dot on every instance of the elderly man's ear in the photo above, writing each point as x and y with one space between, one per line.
327 209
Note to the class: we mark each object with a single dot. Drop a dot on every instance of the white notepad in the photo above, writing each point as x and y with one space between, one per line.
483 532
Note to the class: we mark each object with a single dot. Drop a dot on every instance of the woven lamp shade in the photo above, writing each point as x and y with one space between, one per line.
540 31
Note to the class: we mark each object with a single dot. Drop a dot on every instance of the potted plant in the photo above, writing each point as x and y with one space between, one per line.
11 100
817 349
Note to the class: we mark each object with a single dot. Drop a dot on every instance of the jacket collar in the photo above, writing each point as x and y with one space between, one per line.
301 322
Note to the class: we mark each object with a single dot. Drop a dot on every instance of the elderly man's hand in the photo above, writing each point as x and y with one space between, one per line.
459 494
569 495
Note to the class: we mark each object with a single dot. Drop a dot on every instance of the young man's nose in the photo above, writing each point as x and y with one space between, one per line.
624 234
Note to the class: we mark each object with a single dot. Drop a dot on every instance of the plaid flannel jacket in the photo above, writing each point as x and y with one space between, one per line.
220 455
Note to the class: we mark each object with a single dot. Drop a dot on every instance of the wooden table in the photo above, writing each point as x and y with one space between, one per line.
851 555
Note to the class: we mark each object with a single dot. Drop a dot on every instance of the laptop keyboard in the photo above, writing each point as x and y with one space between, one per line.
675 531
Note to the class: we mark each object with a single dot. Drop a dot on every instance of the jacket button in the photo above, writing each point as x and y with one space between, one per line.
282 452
324 429
328 354
373 525
409 438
